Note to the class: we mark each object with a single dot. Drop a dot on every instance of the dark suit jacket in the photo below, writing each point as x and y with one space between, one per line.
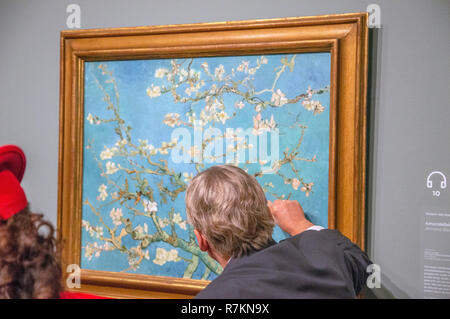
312 264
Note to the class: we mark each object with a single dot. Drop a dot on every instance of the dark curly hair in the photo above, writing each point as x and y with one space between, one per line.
29 258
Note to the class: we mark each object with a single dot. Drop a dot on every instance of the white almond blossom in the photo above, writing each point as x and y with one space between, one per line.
318 108
260 126
163 256
141 230
179 221
219 72
148 147
243 67
189 90
205 67
278 98
95 232
172 119
90 118
85 224
91 250
111 168
108 153
165 147
121 143
116 216
161 72
147 255
307 188
94 249
314 106
262 60
239 105
295 183
163 222
194 88
252 71
177 218
150 207
102 192
153 91
188 177
183 225
183 75
223 117
151 149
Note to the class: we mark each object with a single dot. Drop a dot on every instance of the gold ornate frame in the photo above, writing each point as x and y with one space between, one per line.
344 35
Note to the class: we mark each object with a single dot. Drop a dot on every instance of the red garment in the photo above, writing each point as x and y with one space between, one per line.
12 168
79 295
12 158
12 196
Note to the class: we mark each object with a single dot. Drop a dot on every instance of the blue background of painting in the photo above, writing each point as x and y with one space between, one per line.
145 115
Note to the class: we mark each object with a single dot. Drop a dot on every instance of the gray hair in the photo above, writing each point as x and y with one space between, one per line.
229 207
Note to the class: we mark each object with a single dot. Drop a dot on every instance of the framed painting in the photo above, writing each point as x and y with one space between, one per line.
144 109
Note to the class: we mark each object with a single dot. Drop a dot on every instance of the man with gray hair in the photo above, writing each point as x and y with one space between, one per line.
234 222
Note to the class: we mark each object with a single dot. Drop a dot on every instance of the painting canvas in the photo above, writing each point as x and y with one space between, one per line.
151 125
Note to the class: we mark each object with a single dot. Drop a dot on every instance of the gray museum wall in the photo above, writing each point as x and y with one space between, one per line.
409 114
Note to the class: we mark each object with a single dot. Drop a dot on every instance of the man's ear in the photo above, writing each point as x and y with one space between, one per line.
201 240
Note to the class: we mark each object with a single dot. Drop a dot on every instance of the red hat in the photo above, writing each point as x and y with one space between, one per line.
12 168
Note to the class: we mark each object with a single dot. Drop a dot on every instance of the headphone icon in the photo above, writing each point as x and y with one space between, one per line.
430 183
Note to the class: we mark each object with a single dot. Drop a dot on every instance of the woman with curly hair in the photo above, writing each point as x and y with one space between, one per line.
29 263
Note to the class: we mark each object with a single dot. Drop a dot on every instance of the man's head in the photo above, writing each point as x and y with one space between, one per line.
228 208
